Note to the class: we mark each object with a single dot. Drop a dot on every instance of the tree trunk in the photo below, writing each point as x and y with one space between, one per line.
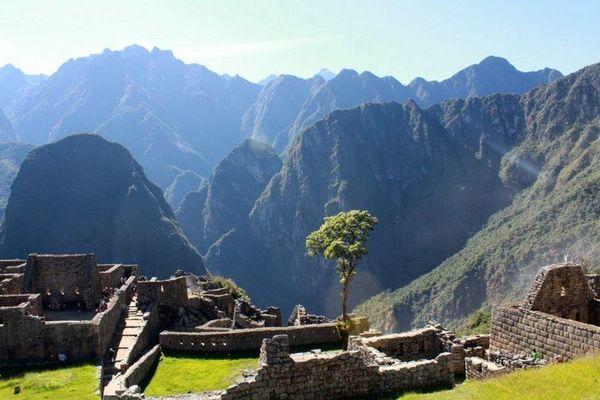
344 333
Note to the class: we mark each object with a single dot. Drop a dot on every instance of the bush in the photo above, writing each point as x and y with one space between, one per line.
237 292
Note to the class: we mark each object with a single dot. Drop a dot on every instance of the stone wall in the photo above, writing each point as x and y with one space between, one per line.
169 292
106 322
118 387
63 279
518 330
28 338
112 276
148 335
138 371
479 368
561 290
31 303
247 339
594 283
334 376
10 283
407 346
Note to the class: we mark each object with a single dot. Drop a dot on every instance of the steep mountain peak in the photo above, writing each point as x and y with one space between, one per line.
495 61
326 74
86 194
344 74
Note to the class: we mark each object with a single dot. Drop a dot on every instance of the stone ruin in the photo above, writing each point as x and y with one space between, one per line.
125 322
559 319
47 300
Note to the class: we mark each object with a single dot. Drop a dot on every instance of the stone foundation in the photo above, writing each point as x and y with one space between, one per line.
334 376
517 330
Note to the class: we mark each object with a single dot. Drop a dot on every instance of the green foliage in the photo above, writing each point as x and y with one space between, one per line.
184 373
237 292
343 237
477 323
75 381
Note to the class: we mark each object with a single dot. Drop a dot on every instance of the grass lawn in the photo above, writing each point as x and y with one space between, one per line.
574 380
78 381
183 373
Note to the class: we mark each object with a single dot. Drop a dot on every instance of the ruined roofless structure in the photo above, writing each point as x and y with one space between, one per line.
559 319
48 300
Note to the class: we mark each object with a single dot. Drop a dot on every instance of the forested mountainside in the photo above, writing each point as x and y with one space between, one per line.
84 194
433 177
12 155
236 183
266 121
556 217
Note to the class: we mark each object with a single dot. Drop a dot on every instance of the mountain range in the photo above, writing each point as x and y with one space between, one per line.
490 188
176 117
453 170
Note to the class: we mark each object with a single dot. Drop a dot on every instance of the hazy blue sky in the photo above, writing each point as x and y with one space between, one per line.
254 38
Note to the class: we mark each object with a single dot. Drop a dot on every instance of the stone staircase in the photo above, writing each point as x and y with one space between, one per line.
129 328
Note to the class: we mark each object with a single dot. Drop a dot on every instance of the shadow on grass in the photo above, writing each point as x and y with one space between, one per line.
19 371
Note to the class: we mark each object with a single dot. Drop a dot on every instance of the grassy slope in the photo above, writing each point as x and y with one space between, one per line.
183 373
73 382
575 380
558 215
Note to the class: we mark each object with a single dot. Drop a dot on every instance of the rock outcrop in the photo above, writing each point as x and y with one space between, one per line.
233 188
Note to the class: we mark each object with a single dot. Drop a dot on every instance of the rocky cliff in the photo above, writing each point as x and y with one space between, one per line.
234 186
555 218
85 194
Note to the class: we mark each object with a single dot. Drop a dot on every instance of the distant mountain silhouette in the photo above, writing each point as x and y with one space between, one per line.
349 89
14 85
85 194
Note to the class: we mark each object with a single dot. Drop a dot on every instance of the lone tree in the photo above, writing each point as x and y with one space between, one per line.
343 238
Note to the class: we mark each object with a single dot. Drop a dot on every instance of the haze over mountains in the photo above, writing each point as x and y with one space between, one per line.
176 117
452 169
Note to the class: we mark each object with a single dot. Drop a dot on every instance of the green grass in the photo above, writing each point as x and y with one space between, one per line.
575 380
183 373
77 381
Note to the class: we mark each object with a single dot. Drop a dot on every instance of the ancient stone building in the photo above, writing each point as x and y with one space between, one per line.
48 300
559 319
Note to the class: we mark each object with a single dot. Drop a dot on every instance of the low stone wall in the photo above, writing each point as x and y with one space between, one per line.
334 376
247 339
147 336
106 322
138 371
520 331
479 368
117 388
163 292
407 346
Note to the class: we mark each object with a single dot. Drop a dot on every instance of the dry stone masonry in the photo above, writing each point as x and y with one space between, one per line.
125 322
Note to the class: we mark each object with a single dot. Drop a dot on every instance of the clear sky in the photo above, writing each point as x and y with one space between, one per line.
432 39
